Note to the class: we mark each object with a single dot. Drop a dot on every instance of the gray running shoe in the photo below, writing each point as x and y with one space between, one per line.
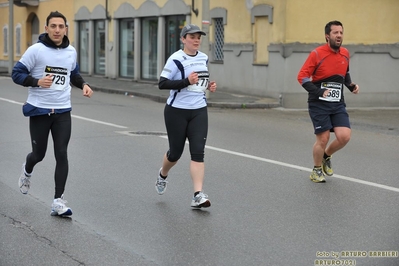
200 201
58 208
160 185
24 181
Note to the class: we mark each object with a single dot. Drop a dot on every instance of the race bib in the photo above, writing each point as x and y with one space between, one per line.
59 77
202 84
335 91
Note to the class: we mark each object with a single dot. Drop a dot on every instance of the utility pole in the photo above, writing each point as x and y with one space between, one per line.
205 28
10 36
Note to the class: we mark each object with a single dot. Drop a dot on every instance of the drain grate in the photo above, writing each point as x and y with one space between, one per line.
147 133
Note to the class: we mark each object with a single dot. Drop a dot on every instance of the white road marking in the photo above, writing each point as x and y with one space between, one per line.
10 101
351 179
74 116
98 121
304 168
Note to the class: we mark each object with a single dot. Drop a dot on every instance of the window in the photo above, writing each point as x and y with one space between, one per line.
262 20
18 40
126 49
174 25
219 39
261 32
99 47
35 31
149 48
83 46
5 40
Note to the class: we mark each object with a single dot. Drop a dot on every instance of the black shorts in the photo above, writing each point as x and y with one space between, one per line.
325 116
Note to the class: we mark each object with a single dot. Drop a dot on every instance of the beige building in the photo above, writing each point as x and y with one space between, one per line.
254 46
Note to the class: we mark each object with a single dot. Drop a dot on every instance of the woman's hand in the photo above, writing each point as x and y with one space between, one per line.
212 86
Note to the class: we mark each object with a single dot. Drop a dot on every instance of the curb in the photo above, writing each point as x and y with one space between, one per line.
244 105
136 94
162 99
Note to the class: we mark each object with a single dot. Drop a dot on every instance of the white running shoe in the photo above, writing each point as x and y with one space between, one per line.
160 185
24 181
58 207
200 201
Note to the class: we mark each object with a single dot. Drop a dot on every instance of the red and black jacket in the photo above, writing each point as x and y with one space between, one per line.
325 65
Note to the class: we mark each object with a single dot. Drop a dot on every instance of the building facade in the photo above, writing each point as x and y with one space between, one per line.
255 46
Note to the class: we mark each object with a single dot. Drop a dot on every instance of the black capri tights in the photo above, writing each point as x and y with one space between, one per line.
182 124
60 127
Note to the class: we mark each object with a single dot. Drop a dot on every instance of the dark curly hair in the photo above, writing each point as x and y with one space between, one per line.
56 14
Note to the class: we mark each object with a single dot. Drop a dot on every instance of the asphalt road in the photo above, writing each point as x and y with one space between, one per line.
265 210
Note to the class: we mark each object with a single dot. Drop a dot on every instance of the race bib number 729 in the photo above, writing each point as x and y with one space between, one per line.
59 77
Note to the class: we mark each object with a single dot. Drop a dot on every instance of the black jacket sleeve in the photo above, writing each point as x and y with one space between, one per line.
76 78
348 81
313 89
77 81
167 84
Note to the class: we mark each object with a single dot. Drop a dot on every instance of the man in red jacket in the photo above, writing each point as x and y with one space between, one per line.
323 75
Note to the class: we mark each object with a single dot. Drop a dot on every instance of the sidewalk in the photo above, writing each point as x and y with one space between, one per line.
219 98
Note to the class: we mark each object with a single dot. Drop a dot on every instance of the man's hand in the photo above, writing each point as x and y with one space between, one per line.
87 91
356 89
326 92
46 81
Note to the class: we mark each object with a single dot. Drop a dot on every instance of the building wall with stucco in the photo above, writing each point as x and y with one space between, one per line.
255 46
23 16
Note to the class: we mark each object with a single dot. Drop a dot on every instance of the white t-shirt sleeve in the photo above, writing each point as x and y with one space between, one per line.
29 57
169 70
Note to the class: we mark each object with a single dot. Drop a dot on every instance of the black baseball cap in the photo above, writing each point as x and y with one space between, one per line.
191 28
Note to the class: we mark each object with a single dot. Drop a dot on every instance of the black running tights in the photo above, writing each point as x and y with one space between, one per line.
60 127
182 124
